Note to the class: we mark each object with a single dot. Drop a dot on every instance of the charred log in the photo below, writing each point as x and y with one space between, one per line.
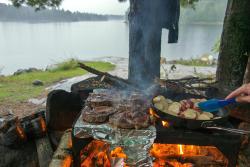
198 160
63 155
113 80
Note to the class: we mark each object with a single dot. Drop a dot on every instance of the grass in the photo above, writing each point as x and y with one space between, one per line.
20 88
192 62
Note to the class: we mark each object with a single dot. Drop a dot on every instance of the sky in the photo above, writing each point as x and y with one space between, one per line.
93 6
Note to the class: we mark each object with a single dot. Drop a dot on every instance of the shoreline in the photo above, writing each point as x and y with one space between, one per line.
121 69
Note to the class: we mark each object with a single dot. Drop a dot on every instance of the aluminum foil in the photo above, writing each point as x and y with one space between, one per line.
135 143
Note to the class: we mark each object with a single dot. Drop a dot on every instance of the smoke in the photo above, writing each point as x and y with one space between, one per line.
146 20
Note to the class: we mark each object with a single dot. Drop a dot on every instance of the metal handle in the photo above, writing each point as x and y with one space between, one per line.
239 131
211 125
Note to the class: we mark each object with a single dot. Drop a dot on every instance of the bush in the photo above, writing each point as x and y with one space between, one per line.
65 65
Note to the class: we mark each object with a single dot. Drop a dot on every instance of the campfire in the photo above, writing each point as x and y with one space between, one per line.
122 128
179 155
98 153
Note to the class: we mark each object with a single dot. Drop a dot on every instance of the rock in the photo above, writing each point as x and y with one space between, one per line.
22 71
35 101
37 83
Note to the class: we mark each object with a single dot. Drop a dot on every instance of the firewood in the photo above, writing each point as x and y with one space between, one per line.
114 80
44 151
197 160
14 136
192 85
63 154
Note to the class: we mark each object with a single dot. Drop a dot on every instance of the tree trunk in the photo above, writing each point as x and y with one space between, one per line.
235 43
247 73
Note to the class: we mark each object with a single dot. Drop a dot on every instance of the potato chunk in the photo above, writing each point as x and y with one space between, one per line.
175 107
159 106
189 114
158 99
209 114
203 117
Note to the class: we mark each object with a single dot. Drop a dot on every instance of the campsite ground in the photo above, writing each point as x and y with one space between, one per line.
21 97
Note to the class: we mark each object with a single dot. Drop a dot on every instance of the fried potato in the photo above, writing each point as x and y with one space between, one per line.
172 113
159 106
209 114
189 114
158 99
174 107
203 117
169 101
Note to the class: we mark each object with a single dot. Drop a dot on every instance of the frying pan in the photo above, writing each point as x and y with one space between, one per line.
217 124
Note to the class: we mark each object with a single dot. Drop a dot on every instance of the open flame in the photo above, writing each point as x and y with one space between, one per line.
152 113
98 153
165 124
180 149
178 155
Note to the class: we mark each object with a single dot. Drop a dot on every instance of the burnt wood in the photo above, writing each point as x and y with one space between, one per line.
44 151
113 80
63 154
61 109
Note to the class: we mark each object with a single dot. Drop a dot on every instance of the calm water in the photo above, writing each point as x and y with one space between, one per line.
24 45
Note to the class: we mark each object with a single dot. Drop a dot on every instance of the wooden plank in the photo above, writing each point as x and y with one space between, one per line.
44 151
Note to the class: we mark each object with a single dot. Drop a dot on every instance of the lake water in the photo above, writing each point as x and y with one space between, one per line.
24 45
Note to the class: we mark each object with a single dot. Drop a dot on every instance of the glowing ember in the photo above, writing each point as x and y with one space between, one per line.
43 124
98 153
20 132
165 124
95 154
180 149
151 112
118 152
67 161
178 155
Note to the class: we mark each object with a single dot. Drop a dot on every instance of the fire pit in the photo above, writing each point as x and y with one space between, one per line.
162 144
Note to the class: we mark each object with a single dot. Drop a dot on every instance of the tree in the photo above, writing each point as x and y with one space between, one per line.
37 4
247 73
235 45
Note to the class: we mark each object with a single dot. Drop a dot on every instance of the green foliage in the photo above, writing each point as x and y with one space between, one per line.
20 88
37 4
206 11
216 47
70 64
11 13
188 3
191 62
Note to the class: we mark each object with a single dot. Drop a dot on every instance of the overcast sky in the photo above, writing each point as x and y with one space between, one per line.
93 6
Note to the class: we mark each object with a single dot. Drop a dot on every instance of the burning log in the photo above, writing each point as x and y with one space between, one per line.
197 160
63 155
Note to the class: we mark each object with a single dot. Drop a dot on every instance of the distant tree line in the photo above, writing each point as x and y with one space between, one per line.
10 13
